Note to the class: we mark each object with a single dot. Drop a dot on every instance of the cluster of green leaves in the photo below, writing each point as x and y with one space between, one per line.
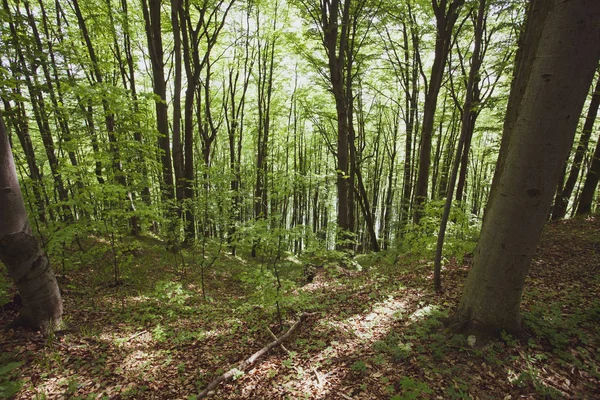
462 232
9 382
570 334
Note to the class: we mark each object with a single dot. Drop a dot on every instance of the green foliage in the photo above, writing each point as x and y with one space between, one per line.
171 293
393 347
9 385
359 367
4 287
462 232
459 390
412 389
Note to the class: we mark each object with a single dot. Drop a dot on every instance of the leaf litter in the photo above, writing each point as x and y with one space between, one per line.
377 334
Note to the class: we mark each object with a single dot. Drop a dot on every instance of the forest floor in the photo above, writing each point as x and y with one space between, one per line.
375 332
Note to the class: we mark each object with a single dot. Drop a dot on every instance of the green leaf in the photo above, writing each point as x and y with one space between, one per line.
5 369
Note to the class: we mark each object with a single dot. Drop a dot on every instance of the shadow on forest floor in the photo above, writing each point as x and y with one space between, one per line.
375 334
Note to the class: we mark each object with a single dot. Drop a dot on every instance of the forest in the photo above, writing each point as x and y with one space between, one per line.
299 199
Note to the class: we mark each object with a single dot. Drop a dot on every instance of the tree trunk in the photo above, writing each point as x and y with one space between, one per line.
155 48
465 133
19 122
562 200
555 66
26 262
178 163
445 21
109 116
589 187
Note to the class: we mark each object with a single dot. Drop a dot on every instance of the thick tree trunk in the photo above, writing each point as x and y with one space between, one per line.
555 66
27 264
19 123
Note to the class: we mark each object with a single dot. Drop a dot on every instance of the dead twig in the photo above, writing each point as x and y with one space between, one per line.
319 382
280 344
253 358
136 335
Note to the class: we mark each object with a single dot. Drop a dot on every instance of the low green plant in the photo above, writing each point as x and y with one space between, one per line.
394 347
359 367
459 390
9 385
412 389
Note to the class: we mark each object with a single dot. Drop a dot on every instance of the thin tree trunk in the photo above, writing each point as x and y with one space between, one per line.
467 112
445 20
591 182
562 201
155 48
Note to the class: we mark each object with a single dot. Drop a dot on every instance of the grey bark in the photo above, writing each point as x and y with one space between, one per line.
20 251
555 66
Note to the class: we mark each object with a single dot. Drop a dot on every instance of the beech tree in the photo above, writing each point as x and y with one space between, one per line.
446 14
20 251
560 49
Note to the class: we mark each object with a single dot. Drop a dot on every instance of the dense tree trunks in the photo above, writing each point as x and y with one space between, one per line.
335 42
137 135
26 262
586 198
446 16
266 63
562 200
560 50
234 105
464 157
362 195
56 96
391 150
184 159
465 133
178 163
38 106
109 116
152 18
411 90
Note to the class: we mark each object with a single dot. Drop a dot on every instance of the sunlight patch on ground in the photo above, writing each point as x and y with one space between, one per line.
358 331
423 312
138 362
367 326
315 285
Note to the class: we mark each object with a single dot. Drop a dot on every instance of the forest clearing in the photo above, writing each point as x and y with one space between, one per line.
376 333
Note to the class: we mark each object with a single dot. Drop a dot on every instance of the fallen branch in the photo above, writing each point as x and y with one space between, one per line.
136 335
253 358
280 344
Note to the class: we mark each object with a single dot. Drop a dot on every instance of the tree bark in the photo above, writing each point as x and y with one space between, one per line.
26 262
562 200
446 17
155 48
591 182
555 66
465 134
